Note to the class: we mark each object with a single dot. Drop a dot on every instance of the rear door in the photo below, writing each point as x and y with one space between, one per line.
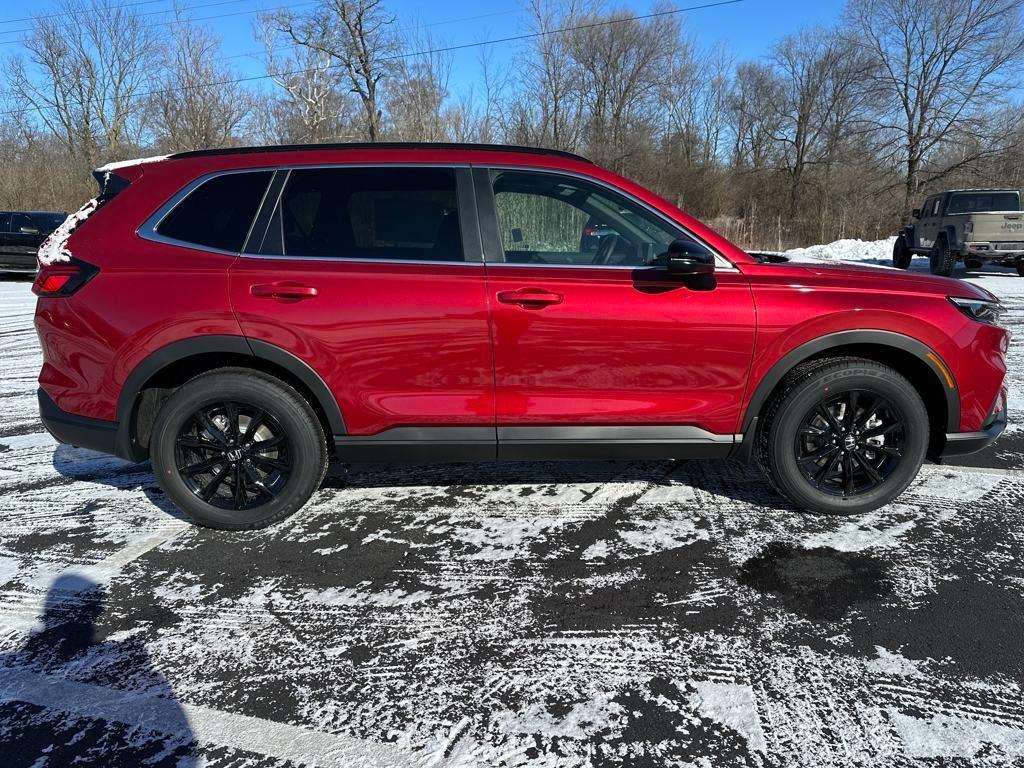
598 351
373 276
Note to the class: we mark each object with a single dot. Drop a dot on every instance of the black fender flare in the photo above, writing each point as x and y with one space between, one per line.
908 235
223 344
891 339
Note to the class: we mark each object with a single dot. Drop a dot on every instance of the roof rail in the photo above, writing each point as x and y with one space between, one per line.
379 145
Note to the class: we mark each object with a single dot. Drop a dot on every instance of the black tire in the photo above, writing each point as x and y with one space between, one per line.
201 425
943 260
787 443
901 255
973 264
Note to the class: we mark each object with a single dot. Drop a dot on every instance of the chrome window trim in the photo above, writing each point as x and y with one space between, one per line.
720 261
353 260
147 231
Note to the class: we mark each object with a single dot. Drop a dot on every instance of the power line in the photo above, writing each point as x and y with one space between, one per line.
428 52
158 13
71 13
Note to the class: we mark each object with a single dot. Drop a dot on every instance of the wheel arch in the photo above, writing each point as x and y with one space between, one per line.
916 361
162 371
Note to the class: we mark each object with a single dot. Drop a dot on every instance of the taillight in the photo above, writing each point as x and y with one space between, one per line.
63 278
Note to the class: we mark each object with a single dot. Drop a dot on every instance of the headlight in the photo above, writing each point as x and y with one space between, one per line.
976 309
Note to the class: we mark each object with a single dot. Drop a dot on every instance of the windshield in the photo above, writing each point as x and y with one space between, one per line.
979 202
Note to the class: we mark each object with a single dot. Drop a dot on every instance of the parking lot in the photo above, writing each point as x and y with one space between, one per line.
557 614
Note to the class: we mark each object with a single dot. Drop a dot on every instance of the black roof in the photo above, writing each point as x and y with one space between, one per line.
379 145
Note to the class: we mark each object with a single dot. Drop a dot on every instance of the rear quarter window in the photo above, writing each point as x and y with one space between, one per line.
218 213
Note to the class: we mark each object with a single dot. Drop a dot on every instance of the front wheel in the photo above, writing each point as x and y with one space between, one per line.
237 449
843 436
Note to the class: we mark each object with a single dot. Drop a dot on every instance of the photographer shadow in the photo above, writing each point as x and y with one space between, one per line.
69 696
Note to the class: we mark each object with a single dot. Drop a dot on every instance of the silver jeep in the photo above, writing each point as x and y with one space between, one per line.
973 225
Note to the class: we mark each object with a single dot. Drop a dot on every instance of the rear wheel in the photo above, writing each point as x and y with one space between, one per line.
901 254
237 449
843 436
943 260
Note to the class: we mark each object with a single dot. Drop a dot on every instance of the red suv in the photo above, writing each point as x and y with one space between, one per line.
239 316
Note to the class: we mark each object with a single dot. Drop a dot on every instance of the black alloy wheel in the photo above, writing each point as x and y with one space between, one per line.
843 435
850 443
238 449
233 456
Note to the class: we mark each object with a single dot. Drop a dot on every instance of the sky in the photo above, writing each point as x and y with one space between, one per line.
748 27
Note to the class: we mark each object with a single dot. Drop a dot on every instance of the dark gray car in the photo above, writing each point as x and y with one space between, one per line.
21 234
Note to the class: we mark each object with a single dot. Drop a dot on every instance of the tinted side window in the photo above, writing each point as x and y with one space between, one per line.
368 213
219 212
5 222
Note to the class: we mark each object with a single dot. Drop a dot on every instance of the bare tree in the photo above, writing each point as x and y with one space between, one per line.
418 92
88 67
817 82
317 107
620 60
754 117
549 107
356 37
198 103
942 66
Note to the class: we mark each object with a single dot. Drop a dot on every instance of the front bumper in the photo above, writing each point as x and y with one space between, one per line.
80 431
962 443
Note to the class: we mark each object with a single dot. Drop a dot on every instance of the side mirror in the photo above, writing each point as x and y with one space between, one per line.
916 213
688 258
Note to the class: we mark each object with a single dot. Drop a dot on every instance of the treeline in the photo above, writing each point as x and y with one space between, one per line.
837 132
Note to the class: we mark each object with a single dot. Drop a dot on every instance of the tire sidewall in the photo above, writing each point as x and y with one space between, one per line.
942 261
901 255
804 397
306 445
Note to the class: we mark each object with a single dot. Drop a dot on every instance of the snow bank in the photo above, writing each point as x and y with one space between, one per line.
874 251
54 247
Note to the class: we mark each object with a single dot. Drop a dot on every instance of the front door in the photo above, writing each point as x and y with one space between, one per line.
597 350
374 278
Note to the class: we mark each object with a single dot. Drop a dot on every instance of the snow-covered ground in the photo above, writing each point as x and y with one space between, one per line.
576 614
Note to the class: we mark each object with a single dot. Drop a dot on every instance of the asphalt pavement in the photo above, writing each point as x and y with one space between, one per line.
553 614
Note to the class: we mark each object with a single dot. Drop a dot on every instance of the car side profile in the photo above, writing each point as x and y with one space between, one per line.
239 317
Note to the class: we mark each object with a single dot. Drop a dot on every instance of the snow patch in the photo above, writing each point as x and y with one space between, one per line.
583 720
845 250
949 736
867 531
54 248
733 706
9 567
889 663
128 163
957 485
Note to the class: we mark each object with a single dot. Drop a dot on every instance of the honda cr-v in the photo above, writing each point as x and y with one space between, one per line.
241 316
